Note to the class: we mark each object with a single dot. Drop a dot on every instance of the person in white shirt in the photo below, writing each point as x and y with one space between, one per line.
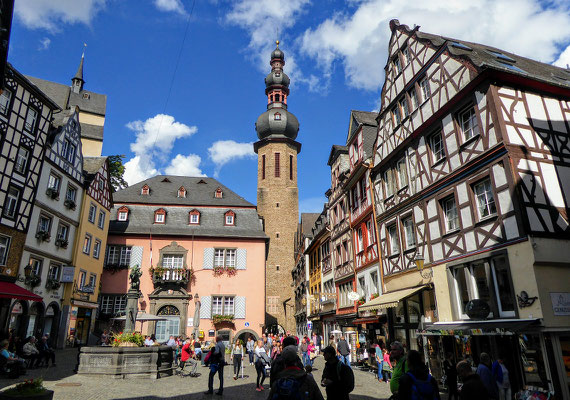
31 352
260 362
148 341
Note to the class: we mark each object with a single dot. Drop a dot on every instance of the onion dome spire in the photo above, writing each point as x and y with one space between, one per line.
277 121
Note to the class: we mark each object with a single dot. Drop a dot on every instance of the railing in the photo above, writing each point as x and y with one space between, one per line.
179 276
363 206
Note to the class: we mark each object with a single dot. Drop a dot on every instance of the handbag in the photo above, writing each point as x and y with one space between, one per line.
386 367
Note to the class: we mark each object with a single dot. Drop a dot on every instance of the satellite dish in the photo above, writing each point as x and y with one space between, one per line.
353 296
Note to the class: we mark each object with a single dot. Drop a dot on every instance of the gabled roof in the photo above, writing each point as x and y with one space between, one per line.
369 125
336 150
307 222
164 190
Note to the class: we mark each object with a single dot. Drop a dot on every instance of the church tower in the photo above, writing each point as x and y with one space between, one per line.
277 194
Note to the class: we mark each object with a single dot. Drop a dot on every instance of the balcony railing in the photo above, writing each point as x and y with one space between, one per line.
180 276
356 212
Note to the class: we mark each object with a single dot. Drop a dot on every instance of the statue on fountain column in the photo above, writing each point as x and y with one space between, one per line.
135 276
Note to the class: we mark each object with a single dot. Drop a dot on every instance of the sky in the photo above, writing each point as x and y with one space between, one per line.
184 79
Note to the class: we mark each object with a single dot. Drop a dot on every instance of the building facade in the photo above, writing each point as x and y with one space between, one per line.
277 193
469 182
79 306
201 250
25 116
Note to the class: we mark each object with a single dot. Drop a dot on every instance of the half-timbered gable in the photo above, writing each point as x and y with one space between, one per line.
98 181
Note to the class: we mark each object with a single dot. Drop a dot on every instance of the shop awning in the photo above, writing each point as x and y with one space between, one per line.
12 291
485 327
389 300
368 320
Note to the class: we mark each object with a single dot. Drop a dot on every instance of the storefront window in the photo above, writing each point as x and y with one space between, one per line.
533 361
414 309
480 275
400 313
503 287
428 297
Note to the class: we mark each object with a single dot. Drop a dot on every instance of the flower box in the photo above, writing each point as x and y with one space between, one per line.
43 236
70 204
52 193
53 284
32 280
61 242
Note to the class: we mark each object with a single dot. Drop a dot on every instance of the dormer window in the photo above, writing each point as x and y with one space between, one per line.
230 218
145 190
123 214
160 216
181 192
219 194
277 117
194 217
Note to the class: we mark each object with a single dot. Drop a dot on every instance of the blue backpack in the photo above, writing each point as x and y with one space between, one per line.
289 389
422 390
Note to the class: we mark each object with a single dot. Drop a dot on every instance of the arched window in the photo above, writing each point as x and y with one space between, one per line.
277 117
160 216
194 217
123 213
145 190
181 192
219 194
169 327
230 218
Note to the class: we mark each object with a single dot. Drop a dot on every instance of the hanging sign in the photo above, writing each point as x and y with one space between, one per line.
560 303
67 274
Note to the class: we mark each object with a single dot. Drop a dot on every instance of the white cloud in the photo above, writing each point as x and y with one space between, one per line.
359 40
563 60
185 166
50 14
170 6
44 43
154 141
224 151
312 204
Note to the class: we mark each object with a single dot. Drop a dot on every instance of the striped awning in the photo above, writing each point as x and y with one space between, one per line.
389 300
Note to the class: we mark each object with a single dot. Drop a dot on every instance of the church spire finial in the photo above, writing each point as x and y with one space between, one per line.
77 81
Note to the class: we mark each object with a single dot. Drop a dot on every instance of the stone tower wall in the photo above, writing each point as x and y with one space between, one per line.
278 204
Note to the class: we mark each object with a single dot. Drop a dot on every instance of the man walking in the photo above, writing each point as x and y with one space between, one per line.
338 378
304 352
399 366
217 363
473 387
343 350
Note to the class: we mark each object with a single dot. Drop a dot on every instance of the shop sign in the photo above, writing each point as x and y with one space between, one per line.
50 312
67 274
17 309
309 326
560 303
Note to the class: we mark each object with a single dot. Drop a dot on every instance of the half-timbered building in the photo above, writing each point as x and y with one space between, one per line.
53 225
471 177
25 115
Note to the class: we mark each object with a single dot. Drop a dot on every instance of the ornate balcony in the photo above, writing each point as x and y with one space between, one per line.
177 276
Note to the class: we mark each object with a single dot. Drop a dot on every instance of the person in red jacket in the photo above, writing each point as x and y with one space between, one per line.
187 353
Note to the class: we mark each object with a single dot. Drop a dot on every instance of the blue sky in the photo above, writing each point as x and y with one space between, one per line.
204 122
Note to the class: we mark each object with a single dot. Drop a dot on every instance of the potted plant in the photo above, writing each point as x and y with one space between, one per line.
70 204
52 193
231 271
218 270
220 318
61 242
361 301
128 339
52 284
33 280
43 236
29 389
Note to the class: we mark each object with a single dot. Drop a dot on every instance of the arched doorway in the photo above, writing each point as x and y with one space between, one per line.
244 334
275 329
18 314
170 326
35 319
51 321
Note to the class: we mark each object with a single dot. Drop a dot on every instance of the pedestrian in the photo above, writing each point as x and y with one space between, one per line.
105 338
171 342
278 365
16 365
417 383
450 372
260 363
185 353
501 375
473 387
148 341
318 343
311 352
293 382
249 347
304 352
217 363
31 353
484 372
338 378
198 350
379 360
332 342
237 356
343 350
46 352
399 365
386 366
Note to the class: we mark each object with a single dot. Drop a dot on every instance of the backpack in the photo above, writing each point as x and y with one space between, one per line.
349 384
422 390
289 389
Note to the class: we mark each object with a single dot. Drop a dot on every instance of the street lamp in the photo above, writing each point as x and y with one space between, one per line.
419 260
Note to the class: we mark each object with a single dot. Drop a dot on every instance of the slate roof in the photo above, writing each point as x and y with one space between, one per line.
307 222
92 131
92 164
65 98
336 150
480 56
198 194
369 130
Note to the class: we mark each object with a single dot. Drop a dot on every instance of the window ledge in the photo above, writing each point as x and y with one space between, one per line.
403 188
411 249
485 220
469 141
449 233
438 162
395 255
389 198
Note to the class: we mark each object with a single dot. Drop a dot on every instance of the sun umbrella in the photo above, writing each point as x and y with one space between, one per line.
336 332
196 319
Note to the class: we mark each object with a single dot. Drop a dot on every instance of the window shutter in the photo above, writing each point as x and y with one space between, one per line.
241 261
239 307
136 256
206 307
208 258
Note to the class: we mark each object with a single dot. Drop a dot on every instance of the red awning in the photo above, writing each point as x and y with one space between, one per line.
362 321
13 291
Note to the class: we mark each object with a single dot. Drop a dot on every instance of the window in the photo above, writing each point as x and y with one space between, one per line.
503 292
145 190
485 201
44 224
362 286
436 145
374 282
406 55
402 173
173 261
409 232
92 280
228 306
11 202
277 166
96 248
92 213
101 221
291 167
71 193
263 166
31 119
4 249
120 304
217 305
231 258
123 214
225 258
230 218
106 305
54 182
397 65
100 184
426 91
219 194
22 160
5 101
359 244
125 258
469 125
450 214
182 192
159 216
36 265
277 116
112 255
396 116
87 244
194 217
62 231
389 182
403 102
54 271
68 150
272 304
394 243
414 98
369 233
345 251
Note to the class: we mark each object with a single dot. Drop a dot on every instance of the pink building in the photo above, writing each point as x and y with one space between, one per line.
193 238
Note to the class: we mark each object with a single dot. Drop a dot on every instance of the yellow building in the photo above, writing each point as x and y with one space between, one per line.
80 295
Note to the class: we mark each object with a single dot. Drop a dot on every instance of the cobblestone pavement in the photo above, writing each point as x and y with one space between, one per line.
67 385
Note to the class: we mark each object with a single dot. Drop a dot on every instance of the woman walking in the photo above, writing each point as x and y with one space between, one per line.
386 366
260 357
250 346
237 355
